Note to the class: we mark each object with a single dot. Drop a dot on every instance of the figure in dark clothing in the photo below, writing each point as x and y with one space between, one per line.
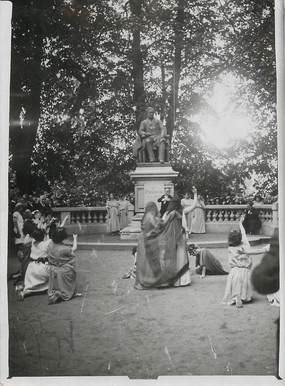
251 223
265 277
164 200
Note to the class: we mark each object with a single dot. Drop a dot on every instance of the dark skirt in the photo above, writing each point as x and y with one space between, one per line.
207 259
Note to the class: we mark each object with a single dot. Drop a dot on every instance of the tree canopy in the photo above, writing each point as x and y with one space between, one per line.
84 71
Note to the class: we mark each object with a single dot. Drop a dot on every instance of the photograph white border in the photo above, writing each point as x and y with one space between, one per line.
5 51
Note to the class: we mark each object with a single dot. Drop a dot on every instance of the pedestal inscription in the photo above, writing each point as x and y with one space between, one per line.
150 180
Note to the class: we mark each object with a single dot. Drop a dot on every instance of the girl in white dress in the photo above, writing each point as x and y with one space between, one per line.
196 214
238 288
124 210
185 203
113 223
37 274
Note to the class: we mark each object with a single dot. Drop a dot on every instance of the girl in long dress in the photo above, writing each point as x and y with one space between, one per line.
162 260
124 210
187 202
238 288
37 273
113 223
198 215
62 274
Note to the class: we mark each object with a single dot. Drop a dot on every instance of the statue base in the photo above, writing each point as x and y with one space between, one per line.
151 180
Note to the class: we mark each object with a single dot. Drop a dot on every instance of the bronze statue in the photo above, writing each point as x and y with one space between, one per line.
152 141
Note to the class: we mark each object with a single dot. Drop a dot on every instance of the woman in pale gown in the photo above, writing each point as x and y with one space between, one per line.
162 260
197 213
187 202
124 210
113 223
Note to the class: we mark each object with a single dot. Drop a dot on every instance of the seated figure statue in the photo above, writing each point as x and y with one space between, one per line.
152 141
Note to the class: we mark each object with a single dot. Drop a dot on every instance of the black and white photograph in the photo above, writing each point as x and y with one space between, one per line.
143 202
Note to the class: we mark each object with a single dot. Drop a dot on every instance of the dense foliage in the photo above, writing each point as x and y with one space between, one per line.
83 73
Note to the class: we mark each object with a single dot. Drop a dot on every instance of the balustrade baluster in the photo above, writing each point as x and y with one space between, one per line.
96 220
208 215
100 218
72 219
88 217
219 215
228 215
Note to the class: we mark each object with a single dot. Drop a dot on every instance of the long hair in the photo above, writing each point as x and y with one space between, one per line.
174 204
58 235
234 238
150 208
38 235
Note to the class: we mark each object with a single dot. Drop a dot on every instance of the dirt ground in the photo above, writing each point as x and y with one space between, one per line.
117 330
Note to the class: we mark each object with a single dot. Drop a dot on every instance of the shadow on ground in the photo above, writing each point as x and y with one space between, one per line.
116 330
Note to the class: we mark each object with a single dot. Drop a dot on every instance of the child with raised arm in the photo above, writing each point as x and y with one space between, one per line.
238 287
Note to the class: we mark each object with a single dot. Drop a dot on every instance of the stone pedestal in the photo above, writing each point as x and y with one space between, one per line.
150 180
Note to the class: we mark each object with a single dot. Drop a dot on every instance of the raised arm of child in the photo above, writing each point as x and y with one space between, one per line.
64 221
244 238
248 249
74 246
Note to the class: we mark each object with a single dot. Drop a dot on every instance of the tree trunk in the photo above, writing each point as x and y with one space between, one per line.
28 74
137 60
178 46
163 92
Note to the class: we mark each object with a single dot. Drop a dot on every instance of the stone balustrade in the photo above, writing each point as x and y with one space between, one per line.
85 220
219 218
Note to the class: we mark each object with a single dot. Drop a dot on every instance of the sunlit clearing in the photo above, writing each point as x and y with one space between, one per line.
225 120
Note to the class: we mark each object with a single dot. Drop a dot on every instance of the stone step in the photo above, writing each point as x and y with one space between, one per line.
202 240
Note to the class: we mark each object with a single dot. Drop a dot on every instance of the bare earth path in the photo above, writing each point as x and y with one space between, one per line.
116 330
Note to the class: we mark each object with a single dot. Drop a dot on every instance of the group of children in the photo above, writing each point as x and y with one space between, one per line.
51 265
47 263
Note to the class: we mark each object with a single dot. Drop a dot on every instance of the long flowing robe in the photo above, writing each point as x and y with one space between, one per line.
162 260
113 223
62 274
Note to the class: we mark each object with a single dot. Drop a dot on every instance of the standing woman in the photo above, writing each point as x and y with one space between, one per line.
197 213
62 277
124 209
187 202
113 223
